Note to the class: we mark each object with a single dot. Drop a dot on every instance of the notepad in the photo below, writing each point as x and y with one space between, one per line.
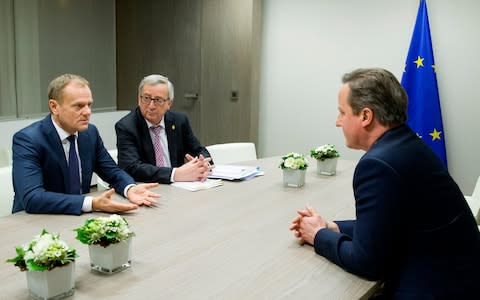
234 172
198 185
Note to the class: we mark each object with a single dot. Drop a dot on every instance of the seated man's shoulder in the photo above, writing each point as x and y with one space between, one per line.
31 130
92 128
127 119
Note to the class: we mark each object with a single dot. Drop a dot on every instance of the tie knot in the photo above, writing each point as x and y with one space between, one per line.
156 129
71 138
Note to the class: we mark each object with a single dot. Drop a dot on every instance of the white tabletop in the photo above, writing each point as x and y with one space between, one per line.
228 242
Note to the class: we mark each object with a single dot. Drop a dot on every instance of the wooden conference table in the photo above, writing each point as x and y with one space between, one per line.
228 242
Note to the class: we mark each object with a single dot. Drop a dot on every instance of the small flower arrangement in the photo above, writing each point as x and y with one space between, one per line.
294 161
104 231
324 152
45 252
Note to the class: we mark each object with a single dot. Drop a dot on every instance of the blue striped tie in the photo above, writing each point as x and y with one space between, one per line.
73 169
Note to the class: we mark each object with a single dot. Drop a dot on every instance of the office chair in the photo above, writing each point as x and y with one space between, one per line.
474 201
6 191
5 157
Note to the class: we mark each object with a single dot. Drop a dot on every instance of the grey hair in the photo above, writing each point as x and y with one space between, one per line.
379 90
156 79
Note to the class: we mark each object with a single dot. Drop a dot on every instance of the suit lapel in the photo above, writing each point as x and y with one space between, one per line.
170 130
51 135
146 143
83 146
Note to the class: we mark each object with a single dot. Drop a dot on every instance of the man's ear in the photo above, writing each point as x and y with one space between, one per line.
367 116
53 105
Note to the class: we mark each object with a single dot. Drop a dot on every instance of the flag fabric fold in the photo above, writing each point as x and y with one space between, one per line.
420 82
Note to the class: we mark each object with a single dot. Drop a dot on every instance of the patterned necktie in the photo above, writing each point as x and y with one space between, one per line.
157 146
74 186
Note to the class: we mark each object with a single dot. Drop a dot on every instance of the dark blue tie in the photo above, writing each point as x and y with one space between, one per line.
73 170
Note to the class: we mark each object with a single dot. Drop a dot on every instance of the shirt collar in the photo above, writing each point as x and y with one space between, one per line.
162 123
61 132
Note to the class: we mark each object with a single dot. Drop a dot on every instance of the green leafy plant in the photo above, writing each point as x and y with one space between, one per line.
294 161
104 231
324 152
45 252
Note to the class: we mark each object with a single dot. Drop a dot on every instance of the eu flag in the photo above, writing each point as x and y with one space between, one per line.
420 81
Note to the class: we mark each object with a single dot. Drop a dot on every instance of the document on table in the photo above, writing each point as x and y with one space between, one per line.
234 172
198 185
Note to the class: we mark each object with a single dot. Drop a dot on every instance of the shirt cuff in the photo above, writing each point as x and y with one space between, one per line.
173 175
125 191
87 204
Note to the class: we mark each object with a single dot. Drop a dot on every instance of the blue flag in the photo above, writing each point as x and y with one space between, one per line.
420 81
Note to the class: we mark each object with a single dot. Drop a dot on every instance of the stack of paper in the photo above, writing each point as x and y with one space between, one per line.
234 172
198 185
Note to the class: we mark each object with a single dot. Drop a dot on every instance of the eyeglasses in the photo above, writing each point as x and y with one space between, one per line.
157 101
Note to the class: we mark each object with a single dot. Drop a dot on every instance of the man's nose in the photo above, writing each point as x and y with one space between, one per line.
87 110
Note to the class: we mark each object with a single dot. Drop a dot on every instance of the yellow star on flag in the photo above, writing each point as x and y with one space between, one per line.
434 67
435 134
419 62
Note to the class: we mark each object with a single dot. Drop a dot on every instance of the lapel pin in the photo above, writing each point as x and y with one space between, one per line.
173 127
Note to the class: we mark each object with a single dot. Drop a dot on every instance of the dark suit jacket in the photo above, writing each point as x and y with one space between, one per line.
413 227
136 154
40 171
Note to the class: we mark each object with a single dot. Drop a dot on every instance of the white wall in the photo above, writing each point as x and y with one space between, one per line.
307 45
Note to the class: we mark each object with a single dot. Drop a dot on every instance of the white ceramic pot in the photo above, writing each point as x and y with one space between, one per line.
327 166
57 283
111 259
293 178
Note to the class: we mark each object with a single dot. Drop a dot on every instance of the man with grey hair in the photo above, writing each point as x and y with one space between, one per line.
156 144
413 230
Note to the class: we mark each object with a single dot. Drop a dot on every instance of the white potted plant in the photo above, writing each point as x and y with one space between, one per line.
327 157
50 266
109 243
294 166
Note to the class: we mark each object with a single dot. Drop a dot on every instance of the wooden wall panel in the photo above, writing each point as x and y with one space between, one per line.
205 48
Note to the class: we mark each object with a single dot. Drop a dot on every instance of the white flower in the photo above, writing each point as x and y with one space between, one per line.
290 163
294 161
116 218
325 151
42 244
29 255
104 230
45 252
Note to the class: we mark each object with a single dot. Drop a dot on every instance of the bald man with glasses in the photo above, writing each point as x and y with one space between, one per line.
156 144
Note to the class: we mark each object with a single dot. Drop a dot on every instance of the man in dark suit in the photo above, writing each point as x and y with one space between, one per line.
54 158
154 143
413 228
